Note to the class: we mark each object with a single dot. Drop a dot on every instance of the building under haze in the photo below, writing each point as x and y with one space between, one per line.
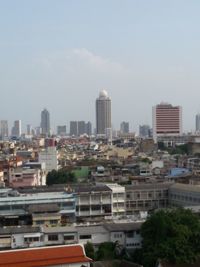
29 129
45 122
124 127
198 122
88 128
144 131
103 113
73 130
17 128
62 130
167 120
4 129
78 128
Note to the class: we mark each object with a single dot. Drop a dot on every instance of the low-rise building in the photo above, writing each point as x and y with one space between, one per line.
146 197
14 206
65 256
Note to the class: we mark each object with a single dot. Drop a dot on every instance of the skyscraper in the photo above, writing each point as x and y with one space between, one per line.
81 128
144 131
103 113
45 122
88 128
73 128
16 129
3 129
198 123
28 129
167 120
124 127
62 130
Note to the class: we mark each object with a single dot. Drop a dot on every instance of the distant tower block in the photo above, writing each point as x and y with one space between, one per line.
103 113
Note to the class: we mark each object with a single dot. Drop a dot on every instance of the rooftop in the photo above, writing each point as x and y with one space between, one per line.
45 256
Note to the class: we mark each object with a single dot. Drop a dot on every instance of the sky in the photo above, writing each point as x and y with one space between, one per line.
59 54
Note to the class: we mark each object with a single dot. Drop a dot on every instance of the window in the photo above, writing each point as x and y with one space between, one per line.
96 207
31 239
53 238
129 234
53 221
85 236
39 222
117 235
84 208
68 237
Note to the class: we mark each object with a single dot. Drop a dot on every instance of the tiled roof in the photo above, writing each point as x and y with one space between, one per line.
40 257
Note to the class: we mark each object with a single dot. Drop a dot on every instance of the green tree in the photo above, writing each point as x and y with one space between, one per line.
60 177
172 235
89 250
107 251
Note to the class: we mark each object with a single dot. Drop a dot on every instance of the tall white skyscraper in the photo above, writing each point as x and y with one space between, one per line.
45 122
3 129
103 113
198 122
17 128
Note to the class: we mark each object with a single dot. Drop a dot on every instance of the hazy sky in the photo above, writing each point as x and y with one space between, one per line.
59 54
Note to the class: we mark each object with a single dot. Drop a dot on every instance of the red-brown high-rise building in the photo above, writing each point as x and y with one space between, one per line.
167 120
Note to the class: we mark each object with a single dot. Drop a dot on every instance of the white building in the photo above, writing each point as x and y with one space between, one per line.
50 157
118 199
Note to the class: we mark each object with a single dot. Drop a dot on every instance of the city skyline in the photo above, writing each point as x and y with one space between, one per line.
142 53
53 126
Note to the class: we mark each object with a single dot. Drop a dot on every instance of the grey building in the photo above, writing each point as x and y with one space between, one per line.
198 122
124 127
3 129
146 197
81 128
184 195
144 131
45 122
61 130
88 128
103 113
73 128
16 129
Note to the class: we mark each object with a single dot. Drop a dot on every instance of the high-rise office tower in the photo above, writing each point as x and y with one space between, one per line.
3 129
198 123
29 129
88 128
45 122
167 120
62 130
73 128
16 129
103 113
144 131
124 127
81 128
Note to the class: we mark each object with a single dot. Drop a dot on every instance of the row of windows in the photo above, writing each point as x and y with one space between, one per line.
44 221
133 244
117 235
185 198
146 195
31 239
